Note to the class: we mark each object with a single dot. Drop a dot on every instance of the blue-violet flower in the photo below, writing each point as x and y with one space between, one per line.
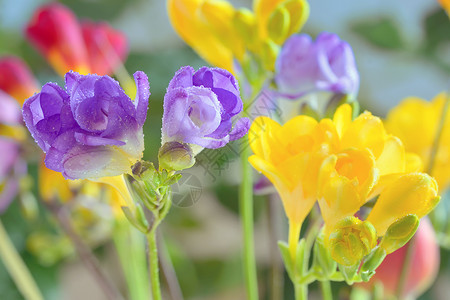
199 108
92 128
304 66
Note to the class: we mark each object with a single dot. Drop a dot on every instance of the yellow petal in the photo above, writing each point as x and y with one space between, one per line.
53 186
196 33
260 128
392 158
366 131
342 118
415 193
263 10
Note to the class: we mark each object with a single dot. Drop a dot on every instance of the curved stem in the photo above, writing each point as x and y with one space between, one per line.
325 287
17 268
153 264
246 212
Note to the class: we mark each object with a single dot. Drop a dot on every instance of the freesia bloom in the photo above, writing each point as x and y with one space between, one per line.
199 108
16 78
342 163
415 117
219 33
326 64
69 45
92 128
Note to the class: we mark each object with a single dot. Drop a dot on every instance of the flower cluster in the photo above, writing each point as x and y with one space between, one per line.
219 32
342 163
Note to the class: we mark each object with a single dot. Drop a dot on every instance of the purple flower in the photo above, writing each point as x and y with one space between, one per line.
199 108
304 66
92 128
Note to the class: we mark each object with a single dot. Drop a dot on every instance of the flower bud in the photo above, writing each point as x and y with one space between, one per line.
269 53
399 233
351 240
175 156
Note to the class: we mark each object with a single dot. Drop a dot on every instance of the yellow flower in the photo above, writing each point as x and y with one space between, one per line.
219 33
342 163
416 122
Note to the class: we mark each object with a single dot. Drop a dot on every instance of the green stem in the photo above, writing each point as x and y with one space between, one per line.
325 287
17 269
301 291
130 247
246 212
153 262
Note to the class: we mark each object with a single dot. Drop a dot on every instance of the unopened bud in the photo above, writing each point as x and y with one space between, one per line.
399 233
269 53
175 156
351 240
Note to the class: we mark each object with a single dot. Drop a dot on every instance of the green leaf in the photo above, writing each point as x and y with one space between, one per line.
437 31
382 33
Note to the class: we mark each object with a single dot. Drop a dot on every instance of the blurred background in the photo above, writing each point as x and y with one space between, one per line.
402 49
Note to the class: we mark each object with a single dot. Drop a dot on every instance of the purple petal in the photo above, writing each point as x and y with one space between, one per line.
182 78
142 95
240 129
90 140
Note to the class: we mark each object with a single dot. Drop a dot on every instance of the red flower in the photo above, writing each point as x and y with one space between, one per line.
107 48
16 79
68 45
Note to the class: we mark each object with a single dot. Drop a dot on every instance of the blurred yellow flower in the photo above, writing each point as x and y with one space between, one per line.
219 33
445 5
416 122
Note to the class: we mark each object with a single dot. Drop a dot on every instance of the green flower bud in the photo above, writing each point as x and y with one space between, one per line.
372 262
175 156
399 233
351 240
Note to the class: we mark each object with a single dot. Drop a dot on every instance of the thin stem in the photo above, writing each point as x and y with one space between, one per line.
84 252
17 268
405 268
153 264
246 212
294 236
130 247
325 287
276 283
169 271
